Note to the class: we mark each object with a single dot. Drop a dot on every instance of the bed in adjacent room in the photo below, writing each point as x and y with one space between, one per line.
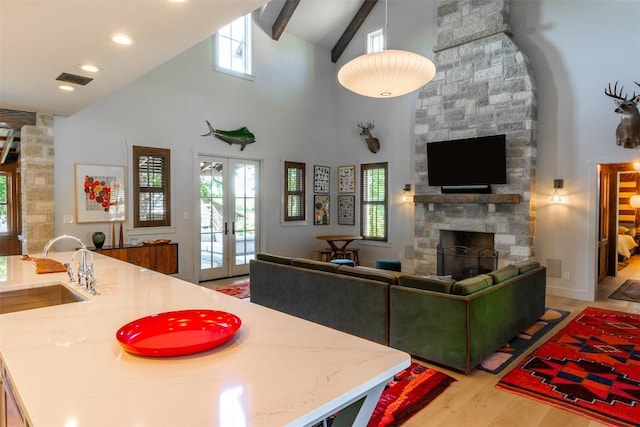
626 240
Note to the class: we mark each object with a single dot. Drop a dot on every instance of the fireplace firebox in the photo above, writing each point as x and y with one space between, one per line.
462 262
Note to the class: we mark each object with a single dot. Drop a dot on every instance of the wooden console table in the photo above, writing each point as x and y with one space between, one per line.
162 258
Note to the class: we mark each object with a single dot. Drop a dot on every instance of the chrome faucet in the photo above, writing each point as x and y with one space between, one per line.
45 251
86 277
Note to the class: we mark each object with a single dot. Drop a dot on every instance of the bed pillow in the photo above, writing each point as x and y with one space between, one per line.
622 229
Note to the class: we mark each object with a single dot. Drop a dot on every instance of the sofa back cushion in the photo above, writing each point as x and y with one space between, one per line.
524 266
504 273
368 273
472 284
436 285
263 256
315 265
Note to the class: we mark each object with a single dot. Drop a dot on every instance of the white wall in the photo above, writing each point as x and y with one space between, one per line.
576 48
289 107
295 108
298 112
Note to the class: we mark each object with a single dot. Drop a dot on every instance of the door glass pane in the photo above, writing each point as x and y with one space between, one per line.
245 212
211 218
4 214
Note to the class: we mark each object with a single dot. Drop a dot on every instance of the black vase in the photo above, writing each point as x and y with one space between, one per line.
98 239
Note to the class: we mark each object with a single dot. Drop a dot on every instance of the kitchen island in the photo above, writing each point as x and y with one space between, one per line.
67 369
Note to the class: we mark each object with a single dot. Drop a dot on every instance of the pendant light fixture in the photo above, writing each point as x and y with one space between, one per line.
387 73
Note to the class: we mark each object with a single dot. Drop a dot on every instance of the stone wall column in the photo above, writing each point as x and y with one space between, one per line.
37 186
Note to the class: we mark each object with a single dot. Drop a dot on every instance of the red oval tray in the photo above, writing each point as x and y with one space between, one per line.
176 333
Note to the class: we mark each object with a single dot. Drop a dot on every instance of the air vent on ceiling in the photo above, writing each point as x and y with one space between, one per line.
74 78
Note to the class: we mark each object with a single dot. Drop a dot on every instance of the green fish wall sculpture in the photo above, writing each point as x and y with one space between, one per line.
240 136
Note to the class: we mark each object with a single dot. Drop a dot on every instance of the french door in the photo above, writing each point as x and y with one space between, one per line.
228 191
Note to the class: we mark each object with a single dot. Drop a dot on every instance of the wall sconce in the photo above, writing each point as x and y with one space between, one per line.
634 201
558 184
405 193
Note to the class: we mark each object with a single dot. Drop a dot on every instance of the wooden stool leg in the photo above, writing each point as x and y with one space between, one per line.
355 257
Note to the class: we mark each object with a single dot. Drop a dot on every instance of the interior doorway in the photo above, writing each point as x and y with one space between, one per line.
10 210
228 216
618 220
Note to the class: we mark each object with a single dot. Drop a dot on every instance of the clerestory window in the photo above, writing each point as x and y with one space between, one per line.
233 47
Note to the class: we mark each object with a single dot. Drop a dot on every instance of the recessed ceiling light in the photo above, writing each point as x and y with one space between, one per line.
121 39
90 68
66 88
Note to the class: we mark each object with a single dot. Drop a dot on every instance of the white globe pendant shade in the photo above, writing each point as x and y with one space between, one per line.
634 201
386 73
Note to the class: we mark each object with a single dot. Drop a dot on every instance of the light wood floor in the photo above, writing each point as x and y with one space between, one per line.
474 401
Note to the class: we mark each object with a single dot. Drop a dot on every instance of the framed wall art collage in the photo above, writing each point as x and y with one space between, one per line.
346 196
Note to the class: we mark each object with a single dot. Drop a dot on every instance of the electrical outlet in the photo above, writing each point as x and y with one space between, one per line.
68 219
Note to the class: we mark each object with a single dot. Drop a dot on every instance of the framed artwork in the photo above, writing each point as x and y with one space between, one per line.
321 209
347 210
321 175
346 179
100 193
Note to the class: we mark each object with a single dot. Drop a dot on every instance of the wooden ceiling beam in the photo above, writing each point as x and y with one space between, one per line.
351 30
283 18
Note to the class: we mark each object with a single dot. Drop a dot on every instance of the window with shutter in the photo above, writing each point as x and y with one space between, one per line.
294 191
373 213
152 187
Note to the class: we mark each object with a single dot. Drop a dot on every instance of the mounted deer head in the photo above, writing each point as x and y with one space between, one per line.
628 131
372 143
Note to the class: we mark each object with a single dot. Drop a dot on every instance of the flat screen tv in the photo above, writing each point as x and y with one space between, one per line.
467 162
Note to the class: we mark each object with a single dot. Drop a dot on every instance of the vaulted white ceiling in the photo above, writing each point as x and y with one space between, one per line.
40 39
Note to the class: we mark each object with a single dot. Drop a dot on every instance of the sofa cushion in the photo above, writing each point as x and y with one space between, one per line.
524 266
447 277
368 273
436 285
263 256
315 265
472 284
504 273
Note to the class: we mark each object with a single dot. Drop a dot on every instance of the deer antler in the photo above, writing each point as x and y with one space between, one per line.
368 126
614 93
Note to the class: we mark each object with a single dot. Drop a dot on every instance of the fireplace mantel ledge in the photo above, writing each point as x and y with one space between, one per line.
468 198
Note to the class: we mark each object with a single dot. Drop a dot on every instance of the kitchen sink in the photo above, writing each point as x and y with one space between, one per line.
44 296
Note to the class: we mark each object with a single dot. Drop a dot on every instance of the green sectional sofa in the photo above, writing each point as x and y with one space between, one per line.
461 327
455 324
324 293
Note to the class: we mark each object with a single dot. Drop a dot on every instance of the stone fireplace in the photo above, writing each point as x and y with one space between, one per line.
484 86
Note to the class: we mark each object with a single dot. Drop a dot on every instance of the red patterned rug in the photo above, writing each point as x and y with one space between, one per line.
591 367
239 290
409 392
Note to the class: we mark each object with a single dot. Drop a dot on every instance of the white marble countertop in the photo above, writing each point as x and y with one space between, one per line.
69 369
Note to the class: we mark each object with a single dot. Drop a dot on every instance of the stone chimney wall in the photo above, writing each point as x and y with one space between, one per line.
484 86
36 167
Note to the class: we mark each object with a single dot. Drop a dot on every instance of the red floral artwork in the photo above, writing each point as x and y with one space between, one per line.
97 191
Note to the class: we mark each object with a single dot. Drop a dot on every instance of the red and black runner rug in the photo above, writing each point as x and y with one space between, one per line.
590 367
409 392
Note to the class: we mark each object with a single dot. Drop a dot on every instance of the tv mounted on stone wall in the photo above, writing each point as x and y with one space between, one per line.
467 165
